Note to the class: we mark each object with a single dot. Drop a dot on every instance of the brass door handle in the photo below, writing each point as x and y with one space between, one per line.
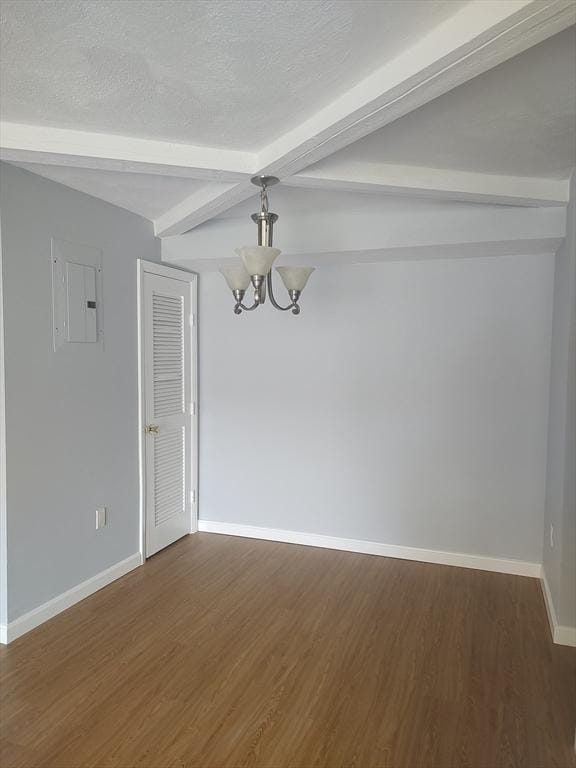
152 429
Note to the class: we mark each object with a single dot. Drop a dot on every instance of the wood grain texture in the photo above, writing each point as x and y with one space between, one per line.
223 652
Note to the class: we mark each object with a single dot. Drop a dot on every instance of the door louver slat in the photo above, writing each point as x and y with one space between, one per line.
169 475
168 354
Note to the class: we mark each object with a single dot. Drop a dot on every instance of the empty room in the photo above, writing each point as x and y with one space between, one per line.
288 384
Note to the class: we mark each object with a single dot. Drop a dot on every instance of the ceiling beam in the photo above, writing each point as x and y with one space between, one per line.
58 146
370 228
480 35
464 250
213 198
436 183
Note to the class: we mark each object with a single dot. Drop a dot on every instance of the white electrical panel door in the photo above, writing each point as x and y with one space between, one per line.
81 303
76 296
168 409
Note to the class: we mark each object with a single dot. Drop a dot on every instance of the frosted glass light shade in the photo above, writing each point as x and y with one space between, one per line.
236 277
295 278
258 259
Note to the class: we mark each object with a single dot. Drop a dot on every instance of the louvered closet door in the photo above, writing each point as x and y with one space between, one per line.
168 410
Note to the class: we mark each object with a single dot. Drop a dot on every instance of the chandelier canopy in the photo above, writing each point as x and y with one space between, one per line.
255 264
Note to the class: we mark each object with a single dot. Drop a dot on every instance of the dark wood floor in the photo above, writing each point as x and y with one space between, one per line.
223 652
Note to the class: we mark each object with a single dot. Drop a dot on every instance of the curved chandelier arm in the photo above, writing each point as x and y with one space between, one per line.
293 306
239 307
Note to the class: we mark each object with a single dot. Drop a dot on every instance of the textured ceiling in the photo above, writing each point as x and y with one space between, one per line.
225 73
151 195
238 73
518 118
145 194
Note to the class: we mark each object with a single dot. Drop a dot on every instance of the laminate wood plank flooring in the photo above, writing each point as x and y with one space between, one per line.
223 652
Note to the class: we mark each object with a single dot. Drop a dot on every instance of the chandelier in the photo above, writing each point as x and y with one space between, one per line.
255 265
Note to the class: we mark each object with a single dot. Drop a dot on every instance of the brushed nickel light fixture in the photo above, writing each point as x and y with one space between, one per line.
256 262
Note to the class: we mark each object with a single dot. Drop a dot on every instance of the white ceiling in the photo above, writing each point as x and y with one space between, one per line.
518 118
150 195
145 194
225 73
167 107
286 200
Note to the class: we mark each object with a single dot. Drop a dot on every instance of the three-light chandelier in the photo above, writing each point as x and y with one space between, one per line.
256 262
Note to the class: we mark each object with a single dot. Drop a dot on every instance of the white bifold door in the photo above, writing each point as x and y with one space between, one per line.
169 375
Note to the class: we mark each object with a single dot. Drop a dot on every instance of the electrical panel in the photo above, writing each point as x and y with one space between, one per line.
77 294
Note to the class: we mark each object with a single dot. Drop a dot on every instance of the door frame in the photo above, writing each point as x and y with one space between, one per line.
156 268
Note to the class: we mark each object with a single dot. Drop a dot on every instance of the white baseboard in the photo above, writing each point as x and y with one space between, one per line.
561 634
517 567
32 619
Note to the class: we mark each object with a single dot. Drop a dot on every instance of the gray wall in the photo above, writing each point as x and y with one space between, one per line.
71 415
560 560
408 404
3 542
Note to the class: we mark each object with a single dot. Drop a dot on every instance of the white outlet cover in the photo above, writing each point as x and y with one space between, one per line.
100 517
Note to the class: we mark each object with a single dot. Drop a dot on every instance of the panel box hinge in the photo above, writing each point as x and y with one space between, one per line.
192 320
193 497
